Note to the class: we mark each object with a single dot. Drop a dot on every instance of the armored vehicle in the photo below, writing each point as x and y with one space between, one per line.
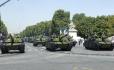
98 44
61 42
40 41
30 40
12 43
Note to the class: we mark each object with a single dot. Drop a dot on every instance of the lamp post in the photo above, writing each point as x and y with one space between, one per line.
2 4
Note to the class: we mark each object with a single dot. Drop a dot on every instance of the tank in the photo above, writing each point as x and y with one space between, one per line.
61 42
12 43
29 39
98 44
40 41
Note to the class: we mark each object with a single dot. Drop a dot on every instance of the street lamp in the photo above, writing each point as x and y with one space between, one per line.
4 3
0 14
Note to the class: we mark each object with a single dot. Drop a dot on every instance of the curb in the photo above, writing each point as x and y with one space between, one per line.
94 54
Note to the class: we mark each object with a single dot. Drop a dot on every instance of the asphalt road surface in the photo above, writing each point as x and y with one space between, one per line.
37 58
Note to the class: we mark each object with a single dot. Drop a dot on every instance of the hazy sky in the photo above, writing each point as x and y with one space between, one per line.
19 14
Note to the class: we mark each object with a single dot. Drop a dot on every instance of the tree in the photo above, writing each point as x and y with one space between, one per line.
110 24
87 26
41 28
99 27
60 20
3 29
84 25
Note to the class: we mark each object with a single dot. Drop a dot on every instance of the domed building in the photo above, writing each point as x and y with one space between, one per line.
72 31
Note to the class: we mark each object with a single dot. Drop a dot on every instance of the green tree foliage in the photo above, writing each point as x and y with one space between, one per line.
60 20
41 28
3 28
87 26
84 25
110 25
100 26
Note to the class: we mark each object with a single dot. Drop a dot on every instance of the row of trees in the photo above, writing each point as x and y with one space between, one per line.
35 30
3 28
60 20
100 26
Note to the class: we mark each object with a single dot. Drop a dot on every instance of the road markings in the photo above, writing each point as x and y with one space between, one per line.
86 68
75 67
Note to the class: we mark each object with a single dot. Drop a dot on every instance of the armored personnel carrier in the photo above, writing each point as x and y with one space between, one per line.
98 44
61 42
12 43
40 41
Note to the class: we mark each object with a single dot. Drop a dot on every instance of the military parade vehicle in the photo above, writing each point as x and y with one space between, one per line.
29 39
12 43
40 41
98 44
61 42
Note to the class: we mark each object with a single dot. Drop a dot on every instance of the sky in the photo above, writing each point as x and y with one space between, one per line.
17 14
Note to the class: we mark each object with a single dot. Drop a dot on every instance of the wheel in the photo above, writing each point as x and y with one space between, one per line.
51 47
111 48
35 44
43 44
4 50
68 47
74 43
22 49
48 49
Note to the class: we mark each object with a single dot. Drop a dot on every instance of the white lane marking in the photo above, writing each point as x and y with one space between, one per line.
86 68
75 67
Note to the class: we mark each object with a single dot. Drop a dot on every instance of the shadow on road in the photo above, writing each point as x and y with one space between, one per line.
11 53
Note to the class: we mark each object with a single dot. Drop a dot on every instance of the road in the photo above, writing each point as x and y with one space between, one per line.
37 58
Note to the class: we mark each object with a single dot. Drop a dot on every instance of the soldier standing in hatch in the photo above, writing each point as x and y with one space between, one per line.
11 38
